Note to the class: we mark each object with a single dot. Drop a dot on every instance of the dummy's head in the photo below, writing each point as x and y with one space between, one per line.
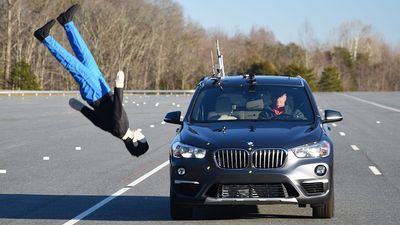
136 148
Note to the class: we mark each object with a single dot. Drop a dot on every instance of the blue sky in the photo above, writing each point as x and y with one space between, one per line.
286 17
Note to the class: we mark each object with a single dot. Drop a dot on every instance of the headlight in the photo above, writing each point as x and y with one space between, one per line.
315 150
180 150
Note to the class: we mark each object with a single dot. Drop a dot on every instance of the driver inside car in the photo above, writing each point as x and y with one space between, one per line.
283 106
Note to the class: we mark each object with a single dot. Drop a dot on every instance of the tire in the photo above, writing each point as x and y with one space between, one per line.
179 211
325 210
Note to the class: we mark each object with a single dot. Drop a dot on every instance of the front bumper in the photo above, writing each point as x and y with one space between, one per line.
198 185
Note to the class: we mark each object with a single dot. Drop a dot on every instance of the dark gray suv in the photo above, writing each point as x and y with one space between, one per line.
251 140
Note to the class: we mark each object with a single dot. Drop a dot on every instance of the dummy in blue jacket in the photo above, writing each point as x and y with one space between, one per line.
108 112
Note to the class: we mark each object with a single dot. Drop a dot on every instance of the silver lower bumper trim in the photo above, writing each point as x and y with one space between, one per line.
249 201
185 182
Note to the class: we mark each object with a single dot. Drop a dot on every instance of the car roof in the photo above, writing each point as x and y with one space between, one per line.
235 80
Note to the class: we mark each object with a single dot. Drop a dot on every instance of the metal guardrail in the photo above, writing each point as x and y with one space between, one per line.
126 92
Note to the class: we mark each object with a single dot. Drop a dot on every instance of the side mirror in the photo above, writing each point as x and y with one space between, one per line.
173 117
332 116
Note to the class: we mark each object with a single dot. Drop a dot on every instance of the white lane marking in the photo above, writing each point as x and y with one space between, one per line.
354 147
372 103
342 134
46 158
116 194
157 104
378 122
334 125
144 103
375 170
152 126
138 104
178 106
78 148
140 130
173 103
96 207
163 122
182 117
3 171
144 177
133 102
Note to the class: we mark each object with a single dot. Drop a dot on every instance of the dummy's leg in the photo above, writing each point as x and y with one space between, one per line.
80 48
89 85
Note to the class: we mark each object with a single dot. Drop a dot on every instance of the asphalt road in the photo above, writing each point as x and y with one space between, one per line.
55 165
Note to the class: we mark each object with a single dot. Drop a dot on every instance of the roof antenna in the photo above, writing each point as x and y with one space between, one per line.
212 63
220 66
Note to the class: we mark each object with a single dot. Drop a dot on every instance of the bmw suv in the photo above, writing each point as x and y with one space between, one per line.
252 140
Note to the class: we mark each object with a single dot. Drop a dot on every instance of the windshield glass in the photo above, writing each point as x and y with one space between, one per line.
259 102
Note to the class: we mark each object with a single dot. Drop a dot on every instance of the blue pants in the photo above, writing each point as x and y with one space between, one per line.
83 67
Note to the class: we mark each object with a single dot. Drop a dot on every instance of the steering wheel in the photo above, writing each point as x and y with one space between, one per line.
266 114
283 116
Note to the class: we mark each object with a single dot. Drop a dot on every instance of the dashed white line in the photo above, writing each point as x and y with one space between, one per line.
173 103
116 194
78 148
157 104
378 122
354 147
334 124
178 106
46 158
163 122
342 134
375 170
3 171
372 103
152 126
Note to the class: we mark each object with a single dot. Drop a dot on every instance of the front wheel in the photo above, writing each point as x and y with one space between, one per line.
325 210
178 211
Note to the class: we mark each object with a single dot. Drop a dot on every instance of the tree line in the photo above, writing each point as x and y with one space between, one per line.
158 48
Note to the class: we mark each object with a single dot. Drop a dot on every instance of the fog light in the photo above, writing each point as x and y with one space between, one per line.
320 170
181 171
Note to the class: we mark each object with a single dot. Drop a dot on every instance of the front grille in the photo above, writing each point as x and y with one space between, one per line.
269 158
313 188
232 158
274 190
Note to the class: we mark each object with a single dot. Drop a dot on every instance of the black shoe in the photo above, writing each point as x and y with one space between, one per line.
44 31
68 15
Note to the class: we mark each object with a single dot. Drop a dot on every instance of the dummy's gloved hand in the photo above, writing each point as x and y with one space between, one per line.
119 79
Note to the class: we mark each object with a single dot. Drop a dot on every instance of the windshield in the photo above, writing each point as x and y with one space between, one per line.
259 102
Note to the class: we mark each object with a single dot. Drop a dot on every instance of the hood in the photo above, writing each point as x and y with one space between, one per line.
274 134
